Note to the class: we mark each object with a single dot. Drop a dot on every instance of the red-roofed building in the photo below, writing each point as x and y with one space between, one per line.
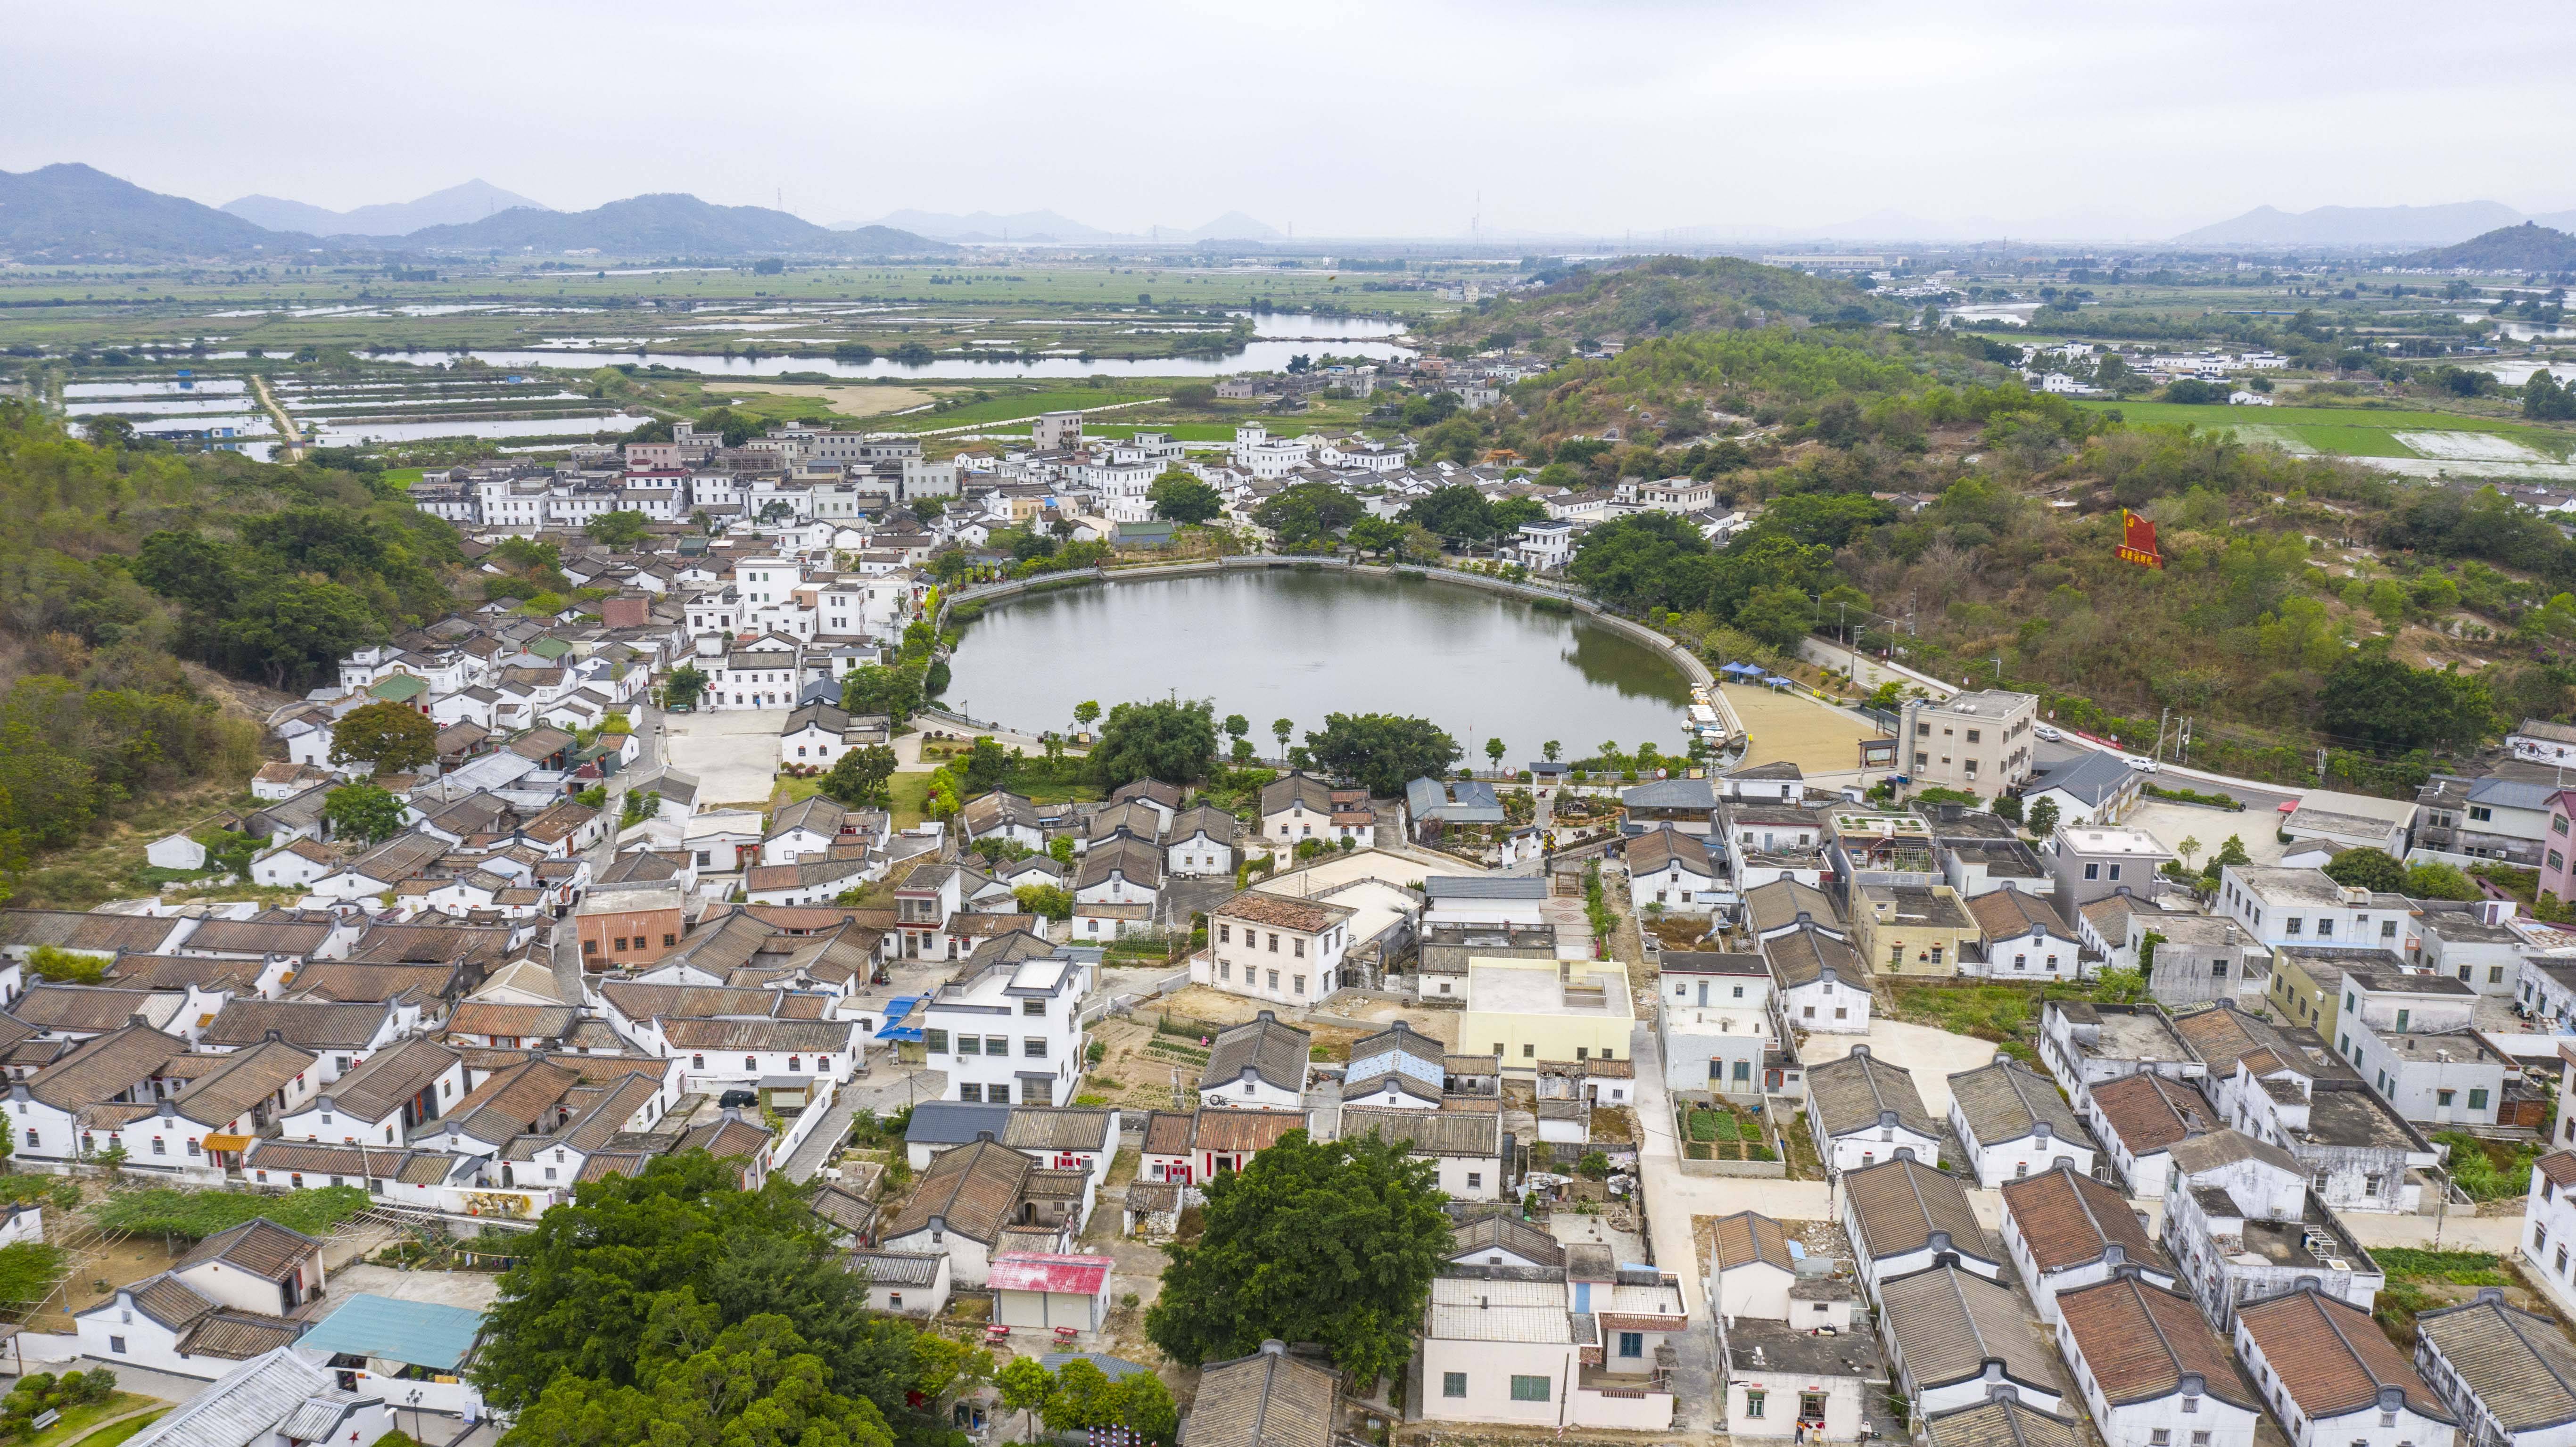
1046 1290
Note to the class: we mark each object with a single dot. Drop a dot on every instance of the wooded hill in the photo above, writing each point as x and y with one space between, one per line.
115 564
2528 247
1962 518
1664 296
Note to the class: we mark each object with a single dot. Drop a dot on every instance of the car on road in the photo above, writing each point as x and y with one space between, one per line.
2143 764
2047 731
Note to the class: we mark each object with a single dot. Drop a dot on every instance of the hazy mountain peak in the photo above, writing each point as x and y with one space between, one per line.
2356 226
471 201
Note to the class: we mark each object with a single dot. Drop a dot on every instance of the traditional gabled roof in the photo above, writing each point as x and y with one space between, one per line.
259 1246
1862 1092
2142 1342
243 1080
1659 849
2003 1422
1902 1205
1801 956
2225 1147
2332 1358
2149 1112
1488 1234
1060 1128
1947 1323
1749 1238
2067 1219
313 1024
82 1009
2003 914
1268 1399
2008 1101
105 1066
366 984
1272 1052
2521 1368
972 1190
1429 1132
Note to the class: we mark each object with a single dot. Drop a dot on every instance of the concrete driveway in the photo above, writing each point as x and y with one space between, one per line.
733 753
1933 1055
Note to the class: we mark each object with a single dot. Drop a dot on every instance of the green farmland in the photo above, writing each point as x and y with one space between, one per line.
2359 432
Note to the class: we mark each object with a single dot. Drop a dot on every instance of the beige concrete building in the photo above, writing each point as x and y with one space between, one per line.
1979 741
1908 930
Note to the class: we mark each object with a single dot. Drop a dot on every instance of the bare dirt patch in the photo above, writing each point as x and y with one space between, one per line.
848 401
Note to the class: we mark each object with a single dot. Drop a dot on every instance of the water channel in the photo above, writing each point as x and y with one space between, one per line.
1279 644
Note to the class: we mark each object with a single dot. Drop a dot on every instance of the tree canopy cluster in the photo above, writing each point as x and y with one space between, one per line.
674 1308
1381 751
1332 1243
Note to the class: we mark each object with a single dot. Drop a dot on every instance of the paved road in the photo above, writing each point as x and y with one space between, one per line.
2257 798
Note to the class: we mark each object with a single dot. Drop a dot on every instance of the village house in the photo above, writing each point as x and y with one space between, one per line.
1262 1063
2066 1230
2150 1369
1865 1111
1272 947
2013 1123
1906 1216
1955 1339
2333 1377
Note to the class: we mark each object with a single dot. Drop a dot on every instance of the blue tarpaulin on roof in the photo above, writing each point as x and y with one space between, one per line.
1740 670
415 1333
898 1010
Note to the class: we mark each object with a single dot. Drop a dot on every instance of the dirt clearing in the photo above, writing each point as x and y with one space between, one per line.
848 401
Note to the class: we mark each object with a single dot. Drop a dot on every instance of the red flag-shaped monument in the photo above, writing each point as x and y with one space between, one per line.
2138 541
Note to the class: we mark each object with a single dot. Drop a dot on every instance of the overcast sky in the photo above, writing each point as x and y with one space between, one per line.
1334 118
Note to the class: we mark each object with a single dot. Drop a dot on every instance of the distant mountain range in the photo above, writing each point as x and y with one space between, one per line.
2367 225
71 210
2528 247
1034 226
457 204
669 224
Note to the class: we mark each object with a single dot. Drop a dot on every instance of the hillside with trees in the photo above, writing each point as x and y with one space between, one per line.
2528 247
121 566
1662 296
1910 485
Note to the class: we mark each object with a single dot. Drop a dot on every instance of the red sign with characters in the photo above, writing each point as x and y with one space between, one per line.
2138 541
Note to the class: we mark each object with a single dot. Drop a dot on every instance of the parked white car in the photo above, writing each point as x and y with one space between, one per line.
2142 764
2047 731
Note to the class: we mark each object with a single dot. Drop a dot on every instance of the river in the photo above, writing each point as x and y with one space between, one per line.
1275 643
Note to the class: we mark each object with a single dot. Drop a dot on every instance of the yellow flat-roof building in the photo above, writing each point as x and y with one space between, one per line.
1533 1011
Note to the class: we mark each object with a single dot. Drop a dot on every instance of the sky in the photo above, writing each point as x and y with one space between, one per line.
1413 118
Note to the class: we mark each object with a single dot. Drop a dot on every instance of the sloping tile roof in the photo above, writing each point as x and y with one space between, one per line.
2331 1357
1506 1233
2009 1422
238 1335
1900 1204
87 933
1801 957
259 1246
1167 1132
2518 1366
1268 1399
540 1022
1060 1128
2006 1101
178 972
340 980
2149 1112
246 1078
1235 1129
1860 1090
1748 1237
246 1405
2140 1341
2224 1147
2067 1219
1275 1052
898 1268
2002 914
974 1189
82 1009
1430 1133
313 1024
1948 1322
105 1066
391 1076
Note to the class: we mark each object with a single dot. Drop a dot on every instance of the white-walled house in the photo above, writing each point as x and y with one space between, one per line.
1752 1271
1671 872
2150 1369
2484 1359
1863 1110
2013 1123
1273 947
1822 982
2065 1231
1262 1063
1906 1216
2334 1378
2549 1227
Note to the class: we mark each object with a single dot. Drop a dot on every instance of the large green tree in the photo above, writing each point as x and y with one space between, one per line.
895 691
1170 740
1332 1243
363 811
1383 751
640 1272
2367 869
1182 498
622 529
753 1383
1307 514
860 776
394 737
